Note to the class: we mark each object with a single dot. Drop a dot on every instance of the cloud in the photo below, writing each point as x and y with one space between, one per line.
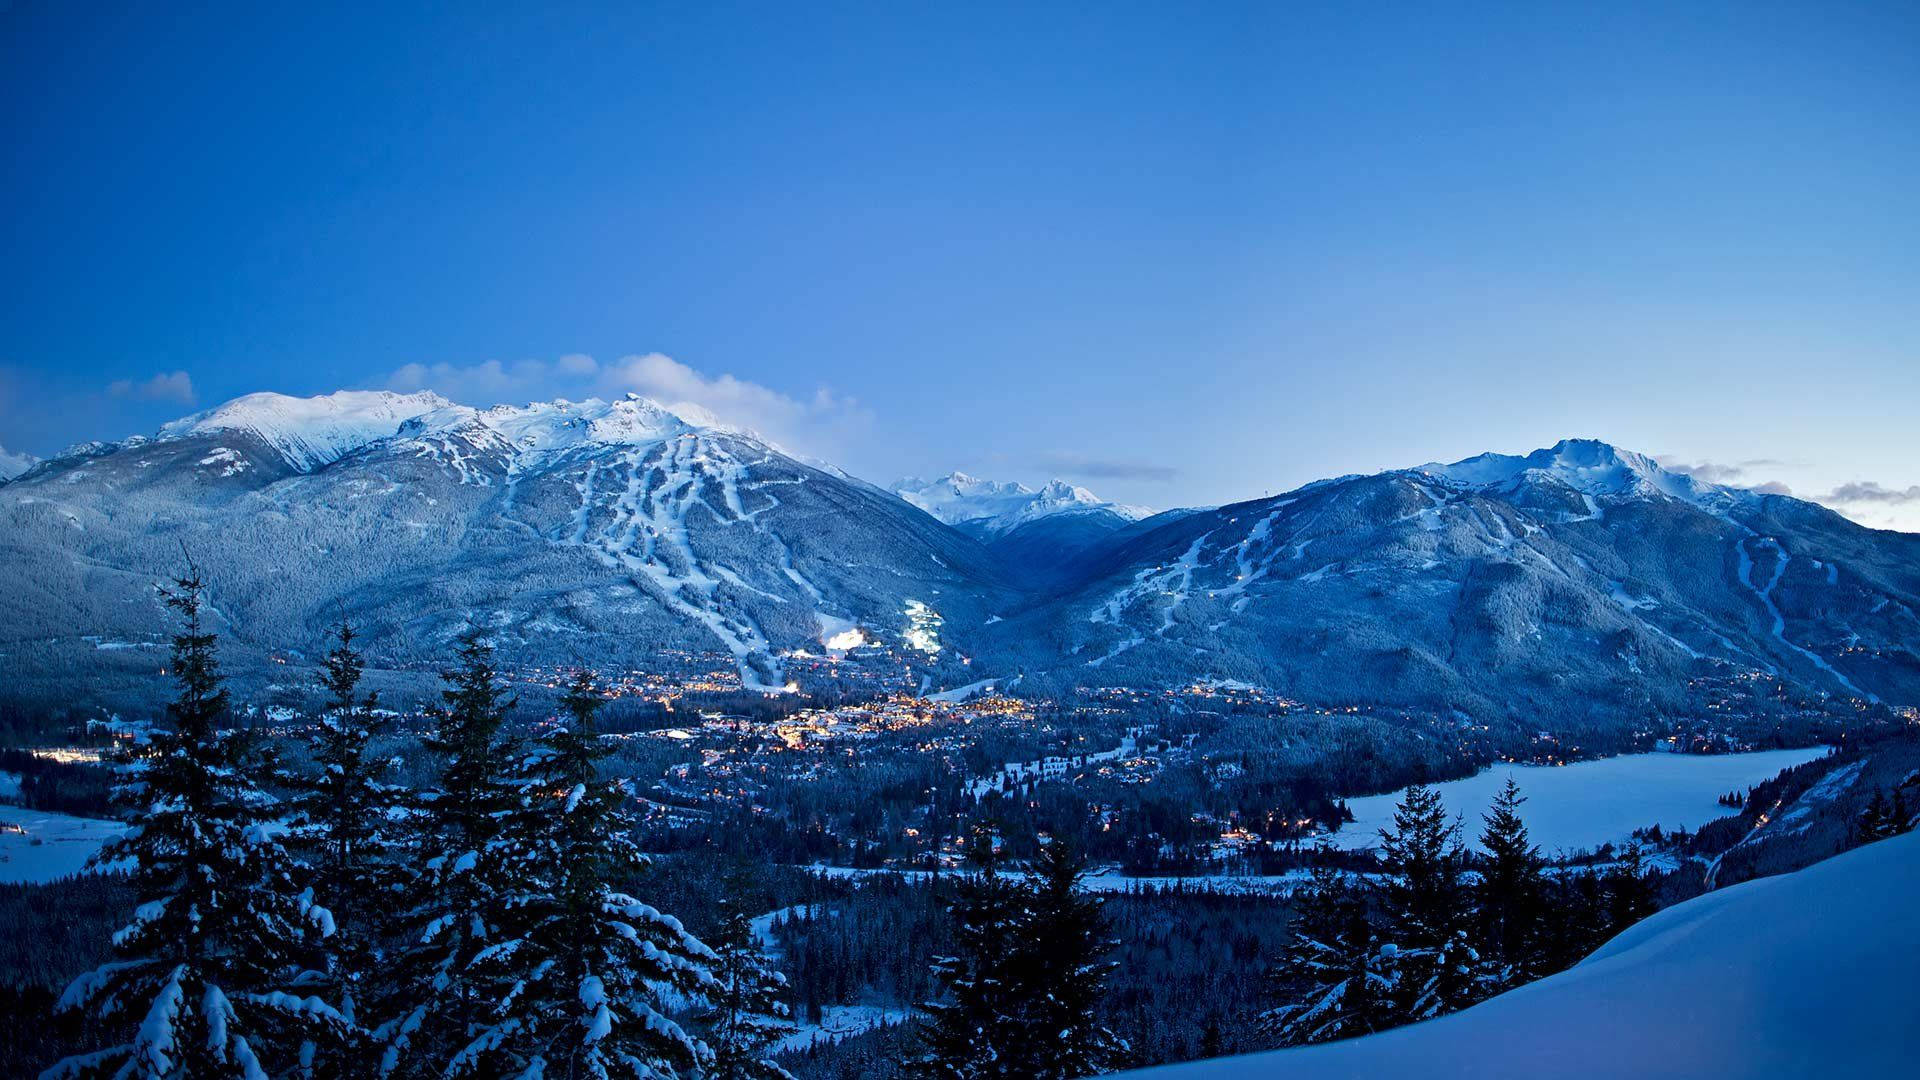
175 386
12 465
818 423
1106 468
1773 487
1868 491
1708 471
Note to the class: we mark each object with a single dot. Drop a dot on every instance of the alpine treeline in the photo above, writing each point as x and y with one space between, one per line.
340 926
1439 928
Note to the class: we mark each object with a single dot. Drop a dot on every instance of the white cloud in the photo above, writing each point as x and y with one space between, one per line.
1867 502
1877 505
821 423
175 386
12 465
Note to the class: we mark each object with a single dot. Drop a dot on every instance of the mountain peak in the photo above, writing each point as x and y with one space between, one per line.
560 424
1589 466
999 505
314 431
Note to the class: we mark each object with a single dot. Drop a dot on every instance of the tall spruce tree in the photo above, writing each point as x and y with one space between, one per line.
1335 979
1426 908
577 978
972 1032
1511 892
342 832
1059 974
455 900
201 973
747 1016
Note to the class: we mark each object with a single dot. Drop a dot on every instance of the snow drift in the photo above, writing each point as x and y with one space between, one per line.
1806 974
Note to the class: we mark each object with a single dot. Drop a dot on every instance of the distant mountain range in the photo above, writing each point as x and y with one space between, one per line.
1042 537
1580 577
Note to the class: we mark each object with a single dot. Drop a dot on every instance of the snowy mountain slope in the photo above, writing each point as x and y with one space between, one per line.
582 530
1577 582
1807 974
1578 578
1589 467
309 432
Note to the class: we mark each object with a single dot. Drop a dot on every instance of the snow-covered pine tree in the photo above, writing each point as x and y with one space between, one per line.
202 971
455 899
1426 909
1511 892
971 1033
747 1016
1335 979
576 982
1060 972
342 832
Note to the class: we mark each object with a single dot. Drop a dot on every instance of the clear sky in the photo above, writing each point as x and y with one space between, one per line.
1181 253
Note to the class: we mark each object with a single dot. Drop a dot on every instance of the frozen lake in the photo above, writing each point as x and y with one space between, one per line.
53 845
1591 803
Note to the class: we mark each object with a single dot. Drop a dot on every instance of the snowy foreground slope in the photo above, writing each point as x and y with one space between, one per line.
1815 973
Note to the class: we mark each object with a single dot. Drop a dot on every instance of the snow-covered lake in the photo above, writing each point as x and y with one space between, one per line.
1591 803
53 845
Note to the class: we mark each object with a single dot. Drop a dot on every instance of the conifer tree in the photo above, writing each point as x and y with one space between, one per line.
1629 889
972 1033
455 899
1427 909
342 833
1881 819
1059 975
1579 902
1511 892
201 973
575 981
747 1017
1335 979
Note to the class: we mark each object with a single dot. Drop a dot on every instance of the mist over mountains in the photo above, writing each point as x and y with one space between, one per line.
1578 579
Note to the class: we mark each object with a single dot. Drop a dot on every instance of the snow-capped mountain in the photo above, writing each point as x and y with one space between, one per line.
309 432
609 530
1569 476
1580 581
12 465
991 507
1044 537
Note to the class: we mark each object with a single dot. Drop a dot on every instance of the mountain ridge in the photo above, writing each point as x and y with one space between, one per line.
1579 576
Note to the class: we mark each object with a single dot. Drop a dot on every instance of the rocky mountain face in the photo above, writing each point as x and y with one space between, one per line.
1579 579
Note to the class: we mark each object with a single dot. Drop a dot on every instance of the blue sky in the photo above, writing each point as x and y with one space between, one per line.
1180 254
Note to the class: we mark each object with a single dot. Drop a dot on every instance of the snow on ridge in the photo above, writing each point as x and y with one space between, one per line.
310 432
999 505
559 425
1588 466
317 431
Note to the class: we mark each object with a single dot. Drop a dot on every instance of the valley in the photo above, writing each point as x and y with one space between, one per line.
818 699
